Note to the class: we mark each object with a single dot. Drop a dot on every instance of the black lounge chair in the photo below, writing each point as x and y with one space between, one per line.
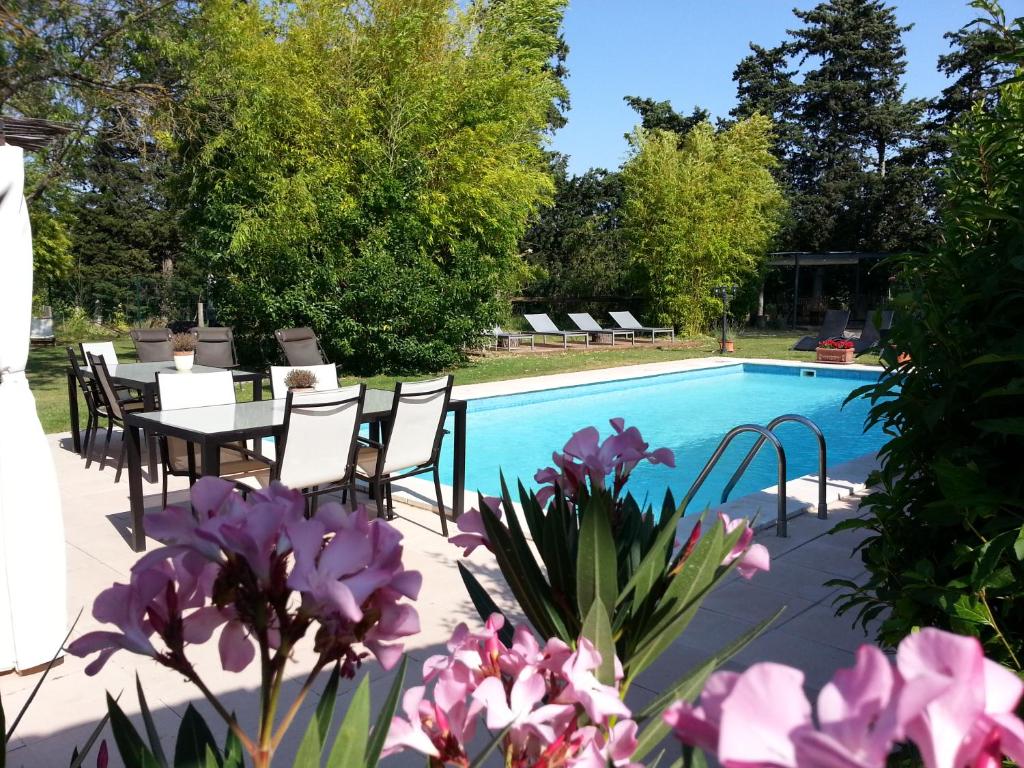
543 326
627 322
587 323
152 345
871 336
300 346
832 328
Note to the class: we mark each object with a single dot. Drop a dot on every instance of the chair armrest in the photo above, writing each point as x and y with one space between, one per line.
370 443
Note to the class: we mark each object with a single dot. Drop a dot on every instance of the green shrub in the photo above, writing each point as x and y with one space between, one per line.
947 543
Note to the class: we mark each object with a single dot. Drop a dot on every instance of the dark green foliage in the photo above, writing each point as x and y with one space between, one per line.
659 115
849 141
947 521
576 243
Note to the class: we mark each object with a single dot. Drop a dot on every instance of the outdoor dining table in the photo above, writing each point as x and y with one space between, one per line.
212 426
142 378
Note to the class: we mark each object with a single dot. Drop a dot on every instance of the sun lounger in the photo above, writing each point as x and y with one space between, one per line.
627 322
832 328
587 323
511 339
543 326
871 336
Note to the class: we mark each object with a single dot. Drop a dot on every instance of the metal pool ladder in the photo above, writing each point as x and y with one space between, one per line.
767 434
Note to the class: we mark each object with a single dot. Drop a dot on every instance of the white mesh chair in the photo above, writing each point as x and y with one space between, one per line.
104 349
195 390
413 443
326 378
317 451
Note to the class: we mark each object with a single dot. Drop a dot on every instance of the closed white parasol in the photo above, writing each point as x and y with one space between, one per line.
33 581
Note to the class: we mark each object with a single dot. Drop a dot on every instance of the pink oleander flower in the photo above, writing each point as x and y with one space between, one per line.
555 710
471 524
957 707
585 457
749 557
234 563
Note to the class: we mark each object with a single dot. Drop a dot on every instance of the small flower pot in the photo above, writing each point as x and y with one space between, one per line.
301 390
834 356
902 358
727 346
183 361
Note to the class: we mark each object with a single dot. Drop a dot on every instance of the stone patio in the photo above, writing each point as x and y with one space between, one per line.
807 635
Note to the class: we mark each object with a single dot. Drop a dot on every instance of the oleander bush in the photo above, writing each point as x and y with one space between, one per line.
946 540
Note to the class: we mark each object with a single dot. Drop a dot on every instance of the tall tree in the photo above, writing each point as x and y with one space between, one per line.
369 169
698 214
850 140
660 116
576 244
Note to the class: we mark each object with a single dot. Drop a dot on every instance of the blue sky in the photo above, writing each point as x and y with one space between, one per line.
685 51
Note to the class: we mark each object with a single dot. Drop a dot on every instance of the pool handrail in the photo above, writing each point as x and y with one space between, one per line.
822 458
781 522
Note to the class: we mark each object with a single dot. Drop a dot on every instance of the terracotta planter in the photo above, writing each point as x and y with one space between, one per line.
834 356
902 358
301 390
183 361
727 346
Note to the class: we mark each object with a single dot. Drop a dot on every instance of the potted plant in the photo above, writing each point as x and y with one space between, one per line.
300 380
727 343
838 351
184 347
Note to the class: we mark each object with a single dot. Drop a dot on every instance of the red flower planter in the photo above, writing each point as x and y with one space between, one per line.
835 351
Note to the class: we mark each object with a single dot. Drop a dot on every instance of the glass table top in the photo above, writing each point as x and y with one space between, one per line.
145 373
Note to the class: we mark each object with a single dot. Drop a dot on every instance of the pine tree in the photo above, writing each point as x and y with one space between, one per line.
660 116
124 235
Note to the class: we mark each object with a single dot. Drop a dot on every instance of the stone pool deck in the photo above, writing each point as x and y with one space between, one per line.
807 635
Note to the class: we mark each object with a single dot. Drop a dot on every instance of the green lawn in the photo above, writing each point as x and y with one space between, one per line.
46 365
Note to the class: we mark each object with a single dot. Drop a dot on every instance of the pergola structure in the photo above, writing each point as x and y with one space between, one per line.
803 259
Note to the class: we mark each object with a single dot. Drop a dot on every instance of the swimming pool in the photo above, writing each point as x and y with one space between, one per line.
688 412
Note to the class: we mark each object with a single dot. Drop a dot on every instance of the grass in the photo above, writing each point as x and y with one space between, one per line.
46 365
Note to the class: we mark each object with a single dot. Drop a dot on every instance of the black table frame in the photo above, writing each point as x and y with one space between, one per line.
210 444
149 391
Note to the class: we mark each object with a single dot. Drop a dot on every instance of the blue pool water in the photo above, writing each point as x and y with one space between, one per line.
688 412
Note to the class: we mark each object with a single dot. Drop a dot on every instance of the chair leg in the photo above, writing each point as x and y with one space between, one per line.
90 439
440 503
390 503
85 439
378 496
106 445
314 501
163 494
120 458
351 492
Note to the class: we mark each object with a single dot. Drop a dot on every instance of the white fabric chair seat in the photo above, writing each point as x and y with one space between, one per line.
366 460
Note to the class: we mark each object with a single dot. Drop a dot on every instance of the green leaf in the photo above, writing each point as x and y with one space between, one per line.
652 567
596 562
970 610
234 753
380 730
1007 425
147 720
597 628
133 751
79 757
313 740
194 737
349 750
484 604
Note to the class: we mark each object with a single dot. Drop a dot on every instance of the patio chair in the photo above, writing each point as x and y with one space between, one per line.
413 442
326 378
831 328
94 408
104 349
625 321
317 451
587 323
543 326
871 336
152 345
215 347
113 406
41 331
177 455
300 346
511 339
